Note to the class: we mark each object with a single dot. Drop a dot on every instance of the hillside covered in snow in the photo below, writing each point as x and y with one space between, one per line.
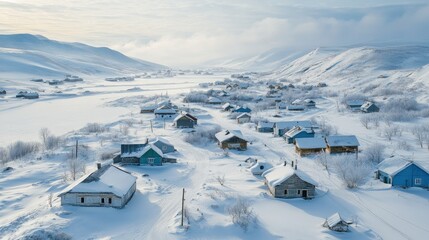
35 55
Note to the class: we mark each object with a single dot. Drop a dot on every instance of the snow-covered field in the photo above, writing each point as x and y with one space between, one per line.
379 212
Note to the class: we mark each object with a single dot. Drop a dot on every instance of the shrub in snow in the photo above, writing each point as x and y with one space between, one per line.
324 127
350 170
323 159
240 96
221 180
421 133
74 169
374 153
20 149
242 214
41 234
365 120
196 97
202 135
390 131
124 129
3 155
95 128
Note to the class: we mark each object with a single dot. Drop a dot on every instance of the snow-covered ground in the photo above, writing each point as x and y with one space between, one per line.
379 212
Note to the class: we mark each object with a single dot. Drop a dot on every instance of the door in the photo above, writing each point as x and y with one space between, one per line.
304 193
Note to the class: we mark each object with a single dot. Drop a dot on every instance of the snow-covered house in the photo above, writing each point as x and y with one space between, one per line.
342 144
231 139
214 100
336 223
309 103
304 146
27 95
298 132
400 172
165 112
185 120
281 105
286 181
154 152
240 109
2 91
243 118
260 167
108 186
369 107
280 128
227 107
354 105
265 126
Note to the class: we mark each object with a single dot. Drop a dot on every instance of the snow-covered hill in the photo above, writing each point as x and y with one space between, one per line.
34 55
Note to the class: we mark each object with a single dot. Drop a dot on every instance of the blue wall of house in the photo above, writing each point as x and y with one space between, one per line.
151 154
304 134
406 177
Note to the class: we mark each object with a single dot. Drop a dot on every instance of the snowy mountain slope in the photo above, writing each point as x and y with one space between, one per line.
39 56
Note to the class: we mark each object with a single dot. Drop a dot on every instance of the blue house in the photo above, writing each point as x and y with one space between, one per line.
240 109
149 153
298 132
400 172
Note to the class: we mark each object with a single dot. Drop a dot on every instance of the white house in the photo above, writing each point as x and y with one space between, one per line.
108 186
243 118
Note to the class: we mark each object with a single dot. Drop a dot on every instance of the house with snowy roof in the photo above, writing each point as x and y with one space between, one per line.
107 186
264 126
298 132
165 112
286 181
163 144
336 223
243 118
369 107
401 172
240 109
153 153
259 167
342 144
231 139
305 146
227 107
280 128
354 105
309 103
185 120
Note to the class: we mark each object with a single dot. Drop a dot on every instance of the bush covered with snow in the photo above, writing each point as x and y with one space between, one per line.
21 149
196 97
374 153
95 128
350 170
242 214
42 234
202 135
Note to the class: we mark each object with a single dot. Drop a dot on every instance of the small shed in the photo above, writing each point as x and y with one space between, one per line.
336 223
298 132
305 146
310 103
2 92
369 107
280 128
342 144
214 101
259 168
285 181
231 139
401 172
264 126
108 186
281 105
185 120
243 118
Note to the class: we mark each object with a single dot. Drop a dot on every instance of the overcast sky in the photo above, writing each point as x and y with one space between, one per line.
183 33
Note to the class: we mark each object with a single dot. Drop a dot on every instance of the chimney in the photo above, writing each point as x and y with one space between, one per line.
284 163
296 166
292 163
98 165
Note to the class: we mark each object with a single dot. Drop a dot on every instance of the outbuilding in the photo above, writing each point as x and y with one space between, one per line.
231 139
265 127
185 120
369 107
336 223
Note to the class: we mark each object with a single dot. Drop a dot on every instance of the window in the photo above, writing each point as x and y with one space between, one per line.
286 192
110 200
102 200
261 167
298 191
150 160
82 200
417 181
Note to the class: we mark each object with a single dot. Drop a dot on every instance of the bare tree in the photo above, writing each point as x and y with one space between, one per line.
421 134
44 134
50 197
221 179
322 159
124 129
351 171
75 168
375 153
389 132
365 120
242 214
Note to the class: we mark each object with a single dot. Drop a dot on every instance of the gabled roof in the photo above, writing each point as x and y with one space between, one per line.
396 164
355 102
310 143
334 220
165 109
296 130
227 134
342 141
263 124
185 115
160 139
141 152
291 124
277 175
367 105
107 179
226 105
243 115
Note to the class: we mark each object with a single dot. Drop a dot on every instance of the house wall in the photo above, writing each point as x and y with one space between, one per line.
184 123
129 194
303 152
243 120
265 129
130 160
341 149
165 116
91 200
406 177
292 185
234 140
304 134
151 154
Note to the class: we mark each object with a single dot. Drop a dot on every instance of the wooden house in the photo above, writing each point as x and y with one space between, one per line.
280 128
165 112
240 109
231 139
164 145
369 107
336 223
298 132
286 181
108 186
305 146
342 144
2 92
243 118
265 126
185 120
214 101
400 172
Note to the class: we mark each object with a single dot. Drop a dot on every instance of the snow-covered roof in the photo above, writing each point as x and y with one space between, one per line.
277 175
334 220
214 100
395 164
310 143
160 139
107 179
263 124
297 102
355 102
143 151
186 115
296 130
309 101
260 167
227 134
226 105
243 115
342 141
165 110
291 124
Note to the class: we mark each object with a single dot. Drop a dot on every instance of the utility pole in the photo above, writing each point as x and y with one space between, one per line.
77 142
183 205
151 127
